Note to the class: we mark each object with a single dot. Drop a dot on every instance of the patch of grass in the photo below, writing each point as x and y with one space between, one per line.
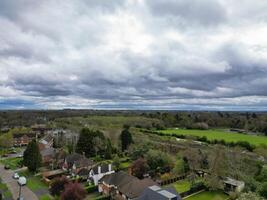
182 186
219 135
45 197
125 165
5 191
208 195
13 163
34 182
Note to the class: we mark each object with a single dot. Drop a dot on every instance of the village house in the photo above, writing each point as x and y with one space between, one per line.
75 162
46 142
156 192
40 129
65 137
48 155
20 139
232 185
121 185
97 172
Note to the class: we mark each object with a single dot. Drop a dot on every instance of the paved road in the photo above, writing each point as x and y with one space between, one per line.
6 176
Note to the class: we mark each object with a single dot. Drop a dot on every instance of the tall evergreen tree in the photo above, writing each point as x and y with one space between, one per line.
32 157
126 138
90 142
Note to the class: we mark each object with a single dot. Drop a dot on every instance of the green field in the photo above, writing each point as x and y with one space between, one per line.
219 135
207 195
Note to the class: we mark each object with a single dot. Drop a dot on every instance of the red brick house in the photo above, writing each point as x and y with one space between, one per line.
22 139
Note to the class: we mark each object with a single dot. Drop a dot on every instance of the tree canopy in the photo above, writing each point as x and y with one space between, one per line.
32 157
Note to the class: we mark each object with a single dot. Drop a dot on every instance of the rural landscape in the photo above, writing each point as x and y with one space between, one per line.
81 154
133 100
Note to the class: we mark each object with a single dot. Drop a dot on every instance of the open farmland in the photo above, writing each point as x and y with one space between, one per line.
219 135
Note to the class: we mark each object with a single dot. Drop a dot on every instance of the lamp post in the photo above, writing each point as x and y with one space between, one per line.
19 192
21 182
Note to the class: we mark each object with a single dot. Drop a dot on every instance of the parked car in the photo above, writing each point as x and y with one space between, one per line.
22 181
16 176
7 167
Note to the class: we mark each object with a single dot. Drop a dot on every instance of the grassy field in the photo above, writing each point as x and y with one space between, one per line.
219 135
13 163
207 195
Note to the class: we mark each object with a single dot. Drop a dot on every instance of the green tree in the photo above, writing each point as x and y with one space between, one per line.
139 167
32 157
108 152
159 161
250 196
90 142
116 162
6 140
126 138
179 167
263 190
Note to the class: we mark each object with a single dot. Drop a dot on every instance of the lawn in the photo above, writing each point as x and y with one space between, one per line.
207 195
125 165
219 135
13 163
182 186
34 182
45 197
3 188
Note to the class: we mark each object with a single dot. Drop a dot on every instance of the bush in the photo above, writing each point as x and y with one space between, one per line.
91 188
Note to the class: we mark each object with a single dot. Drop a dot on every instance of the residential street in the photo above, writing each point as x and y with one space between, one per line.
6 176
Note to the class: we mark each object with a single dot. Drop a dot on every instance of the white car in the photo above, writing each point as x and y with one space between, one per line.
16 176
22 181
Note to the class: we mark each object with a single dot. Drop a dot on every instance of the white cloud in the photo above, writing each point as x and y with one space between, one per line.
114 54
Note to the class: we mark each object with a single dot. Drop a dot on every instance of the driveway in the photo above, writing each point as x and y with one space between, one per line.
6 176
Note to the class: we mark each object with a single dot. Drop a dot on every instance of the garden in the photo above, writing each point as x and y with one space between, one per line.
208 195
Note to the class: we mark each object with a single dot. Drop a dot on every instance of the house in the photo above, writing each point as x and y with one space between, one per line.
65 137
75 162
22 139
156 192
121 185
46 142
40 129
232 185
48 155
97 172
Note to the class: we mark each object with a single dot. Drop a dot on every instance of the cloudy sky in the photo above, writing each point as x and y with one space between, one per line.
133 54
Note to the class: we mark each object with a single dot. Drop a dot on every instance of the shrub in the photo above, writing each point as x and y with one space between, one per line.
91 188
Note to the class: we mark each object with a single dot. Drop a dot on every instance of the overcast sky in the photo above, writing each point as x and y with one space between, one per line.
133 54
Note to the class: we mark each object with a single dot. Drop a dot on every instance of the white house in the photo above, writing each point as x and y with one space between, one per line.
97 172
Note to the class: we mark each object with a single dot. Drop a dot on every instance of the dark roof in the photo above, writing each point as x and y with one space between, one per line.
48 152
103 167
19 135
155 192
118 179
136 187
79 160
83 172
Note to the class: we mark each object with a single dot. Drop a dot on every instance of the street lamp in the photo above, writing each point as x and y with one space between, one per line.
22 181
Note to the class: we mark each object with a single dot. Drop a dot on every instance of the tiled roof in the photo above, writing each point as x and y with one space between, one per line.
156 192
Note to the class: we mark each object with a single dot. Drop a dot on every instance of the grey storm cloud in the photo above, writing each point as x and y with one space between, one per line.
136 54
